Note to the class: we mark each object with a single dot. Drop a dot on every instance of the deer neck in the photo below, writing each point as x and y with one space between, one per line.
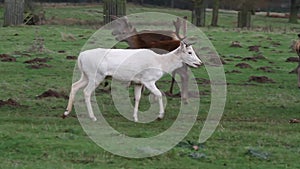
171 61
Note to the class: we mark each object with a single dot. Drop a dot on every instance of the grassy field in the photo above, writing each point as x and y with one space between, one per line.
254 131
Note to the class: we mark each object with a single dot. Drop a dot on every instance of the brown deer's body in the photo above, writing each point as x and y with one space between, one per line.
159 41
145 39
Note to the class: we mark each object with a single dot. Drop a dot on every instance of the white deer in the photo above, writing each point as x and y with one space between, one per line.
128 65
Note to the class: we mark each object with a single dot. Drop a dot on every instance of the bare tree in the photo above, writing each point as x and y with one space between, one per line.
295 4
13 14
244 15
113 8
215 13
198 15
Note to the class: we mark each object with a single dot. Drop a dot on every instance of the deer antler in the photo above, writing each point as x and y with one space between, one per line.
178 23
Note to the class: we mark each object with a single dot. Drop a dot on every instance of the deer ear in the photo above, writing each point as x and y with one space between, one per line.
182 45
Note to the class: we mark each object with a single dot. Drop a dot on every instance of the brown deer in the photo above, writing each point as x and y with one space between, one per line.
160 41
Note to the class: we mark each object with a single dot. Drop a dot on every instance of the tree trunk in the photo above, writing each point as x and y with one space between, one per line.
294 12
215 13
172 3
13 14
113 8
198 15
244 16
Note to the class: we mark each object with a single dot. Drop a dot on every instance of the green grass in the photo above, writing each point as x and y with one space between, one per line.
256 115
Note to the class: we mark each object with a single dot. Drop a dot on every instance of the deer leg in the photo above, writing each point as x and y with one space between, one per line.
90 88
75 87
152 87
137 97
184 84
298 72
172 83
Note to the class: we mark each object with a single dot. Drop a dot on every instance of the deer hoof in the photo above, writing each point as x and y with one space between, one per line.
63 116
94 118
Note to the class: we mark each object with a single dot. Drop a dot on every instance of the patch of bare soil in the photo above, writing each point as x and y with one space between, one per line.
294 121
254 48
52 93
275 44
249 59
243 65
260 79
7 58
237 57
236 44
71 57
260 56
267 69
292 59
202 81
38 66
61 51
214 60
38 63
9 102
37 60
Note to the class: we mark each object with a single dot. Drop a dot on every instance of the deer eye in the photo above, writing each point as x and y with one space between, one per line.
189 53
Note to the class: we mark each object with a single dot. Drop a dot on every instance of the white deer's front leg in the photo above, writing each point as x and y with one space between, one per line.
137 97
152 87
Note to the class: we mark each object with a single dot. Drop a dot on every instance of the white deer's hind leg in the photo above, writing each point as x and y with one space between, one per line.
152 87
137 97
75 87
90 88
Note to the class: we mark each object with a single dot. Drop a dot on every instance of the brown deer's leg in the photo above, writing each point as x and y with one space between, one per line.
298 72
172 83
184 84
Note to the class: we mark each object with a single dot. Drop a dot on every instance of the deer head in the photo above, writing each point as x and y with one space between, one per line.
122 28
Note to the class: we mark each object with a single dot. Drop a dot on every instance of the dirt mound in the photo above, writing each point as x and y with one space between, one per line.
275 44
215 61
202 81
236 44
38 66
37 60
254 48
71 57
61 51
260 79
267 69
52 93
9 102
243 65
7 58
249 59
260 57
292 59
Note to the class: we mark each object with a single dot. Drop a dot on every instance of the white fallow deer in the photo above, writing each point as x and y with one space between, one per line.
160 41
128 65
